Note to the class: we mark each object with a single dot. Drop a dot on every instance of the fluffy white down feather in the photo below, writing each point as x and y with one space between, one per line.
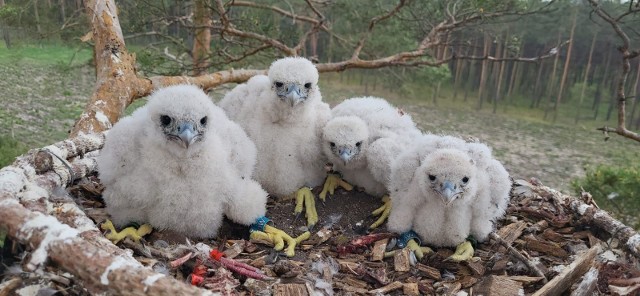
287 136
371 133
417 205
151 178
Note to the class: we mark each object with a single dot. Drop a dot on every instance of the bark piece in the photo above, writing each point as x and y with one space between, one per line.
548 248
512 231
551 235
388 288
410 289
401 260
494 285
570 274
289 289
430 272
588 283
377 254
526 280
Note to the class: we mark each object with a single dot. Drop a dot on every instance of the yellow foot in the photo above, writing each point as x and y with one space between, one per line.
332 182
131 232
419 251
464 252
382 211
278 238
305 197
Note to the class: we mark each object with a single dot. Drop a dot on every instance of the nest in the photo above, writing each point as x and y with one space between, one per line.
547 244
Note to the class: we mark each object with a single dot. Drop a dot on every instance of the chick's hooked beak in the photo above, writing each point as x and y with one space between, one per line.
293 94
449 192
187 134
345 154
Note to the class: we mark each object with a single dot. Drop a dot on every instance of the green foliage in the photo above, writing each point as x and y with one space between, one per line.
9 14
615 189
9 149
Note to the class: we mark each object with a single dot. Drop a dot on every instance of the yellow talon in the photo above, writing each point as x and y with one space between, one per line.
305 197
383 211
303 237
278 238
464 251
332 182
419 251
131 232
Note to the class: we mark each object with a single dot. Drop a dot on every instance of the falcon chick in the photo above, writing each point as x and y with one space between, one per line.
283 114
361 140
179 163
445 190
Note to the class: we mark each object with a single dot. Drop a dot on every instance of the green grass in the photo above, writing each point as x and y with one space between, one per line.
46 55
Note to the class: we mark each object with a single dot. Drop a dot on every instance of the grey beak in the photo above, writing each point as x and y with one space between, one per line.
448 192
294 95
345 154
187 134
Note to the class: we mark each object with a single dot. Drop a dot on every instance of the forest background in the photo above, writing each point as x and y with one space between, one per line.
540 115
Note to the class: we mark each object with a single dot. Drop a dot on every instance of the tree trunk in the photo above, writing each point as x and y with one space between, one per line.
202 41
636 92
552 80
37 16
515 73
498 95
436 93
456 81
63 14
565 71
485 66
537 93
603 79
586 76
470 78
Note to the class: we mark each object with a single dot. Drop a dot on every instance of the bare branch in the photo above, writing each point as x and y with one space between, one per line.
627 55
372 23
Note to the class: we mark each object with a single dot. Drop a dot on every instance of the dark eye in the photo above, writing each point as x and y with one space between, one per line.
307 85
279 84
358 144
332 144
465 180
432 177
203 121
165 120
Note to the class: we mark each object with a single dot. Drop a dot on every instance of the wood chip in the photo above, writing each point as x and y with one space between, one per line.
526 280
388 288
377 254
430 272
353 282
410 289
401 260
350 289
494 285
570 274
548 248
477 268
468 281
512 231
289 289
551 235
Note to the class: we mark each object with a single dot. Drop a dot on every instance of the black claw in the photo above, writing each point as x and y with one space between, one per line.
297 216
310 227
